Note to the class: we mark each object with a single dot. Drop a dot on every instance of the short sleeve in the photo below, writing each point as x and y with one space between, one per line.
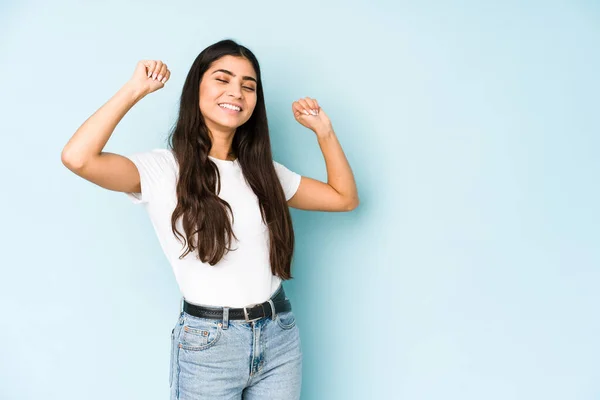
153 166
290 181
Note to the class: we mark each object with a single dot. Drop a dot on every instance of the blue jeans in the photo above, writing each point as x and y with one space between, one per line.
234 359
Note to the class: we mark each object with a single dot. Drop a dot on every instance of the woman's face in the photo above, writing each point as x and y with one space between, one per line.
228 93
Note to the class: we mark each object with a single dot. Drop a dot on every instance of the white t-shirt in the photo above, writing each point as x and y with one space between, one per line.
243 276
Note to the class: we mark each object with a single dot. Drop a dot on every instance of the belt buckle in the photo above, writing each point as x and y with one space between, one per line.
252 306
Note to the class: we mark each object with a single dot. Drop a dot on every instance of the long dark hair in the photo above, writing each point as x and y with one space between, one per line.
205 216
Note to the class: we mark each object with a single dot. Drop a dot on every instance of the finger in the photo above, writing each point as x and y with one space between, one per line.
149 67
305 106
314 108
297 108
311 105
162 72
167 76
157 68
311 102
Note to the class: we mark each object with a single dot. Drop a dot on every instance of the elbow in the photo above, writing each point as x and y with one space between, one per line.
64 158
352 204
70 161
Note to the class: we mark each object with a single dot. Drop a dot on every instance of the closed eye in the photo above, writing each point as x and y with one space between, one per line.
245 87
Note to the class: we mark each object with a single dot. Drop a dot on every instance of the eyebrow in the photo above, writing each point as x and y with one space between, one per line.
244 78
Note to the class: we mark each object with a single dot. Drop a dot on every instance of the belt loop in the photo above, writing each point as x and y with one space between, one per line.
272 309
225 317
181 321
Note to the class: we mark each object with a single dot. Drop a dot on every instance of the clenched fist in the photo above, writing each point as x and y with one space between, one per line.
309 114
149 76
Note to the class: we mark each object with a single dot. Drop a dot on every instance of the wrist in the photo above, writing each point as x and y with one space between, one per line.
323 134
134 92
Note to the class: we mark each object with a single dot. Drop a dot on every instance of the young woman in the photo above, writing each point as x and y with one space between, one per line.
219 205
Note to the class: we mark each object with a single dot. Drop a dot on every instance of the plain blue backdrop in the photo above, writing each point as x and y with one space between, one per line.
470 269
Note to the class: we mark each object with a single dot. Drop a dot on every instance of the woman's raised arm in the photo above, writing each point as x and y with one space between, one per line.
83 152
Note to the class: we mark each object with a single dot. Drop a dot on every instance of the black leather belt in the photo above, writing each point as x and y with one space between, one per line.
249 313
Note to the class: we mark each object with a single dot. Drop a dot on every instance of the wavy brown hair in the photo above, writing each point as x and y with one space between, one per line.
205 216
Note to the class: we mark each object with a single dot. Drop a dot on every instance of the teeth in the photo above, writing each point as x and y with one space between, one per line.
228 106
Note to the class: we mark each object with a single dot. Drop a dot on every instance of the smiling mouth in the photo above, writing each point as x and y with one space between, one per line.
230 107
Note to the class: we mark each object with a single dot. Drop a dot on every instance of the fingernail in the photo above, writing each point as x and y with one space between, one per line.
306 112
313 112
154 76
164 80
160 77
149 74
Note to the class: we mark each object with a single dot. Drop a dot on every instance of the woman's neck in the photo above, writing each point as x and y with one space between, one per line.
221 146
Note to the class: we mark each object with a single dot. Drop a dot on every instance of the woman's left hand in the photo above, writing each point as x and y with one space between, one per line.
308 113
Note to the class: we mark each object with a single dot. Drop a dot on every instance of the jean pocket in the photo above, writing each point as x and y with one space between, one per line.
200 334
286 320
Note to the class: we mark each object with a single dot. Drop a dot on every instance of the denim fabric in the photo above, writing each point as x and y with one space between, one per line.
235 359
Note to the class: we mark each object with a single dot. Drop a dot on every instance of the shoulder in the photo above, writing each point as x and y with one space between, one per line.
160 155
166 155
282 171
154 154
290 180
157 161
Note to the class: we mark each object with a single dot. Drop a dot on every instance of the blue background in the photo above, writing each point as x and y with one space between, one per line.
470 269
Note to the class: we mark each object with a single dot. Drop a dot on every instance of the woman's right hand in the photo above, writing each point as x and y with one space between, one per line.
149 76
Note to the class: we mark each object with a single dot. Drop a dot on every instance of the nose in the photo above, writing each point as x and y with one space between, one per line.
235 92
